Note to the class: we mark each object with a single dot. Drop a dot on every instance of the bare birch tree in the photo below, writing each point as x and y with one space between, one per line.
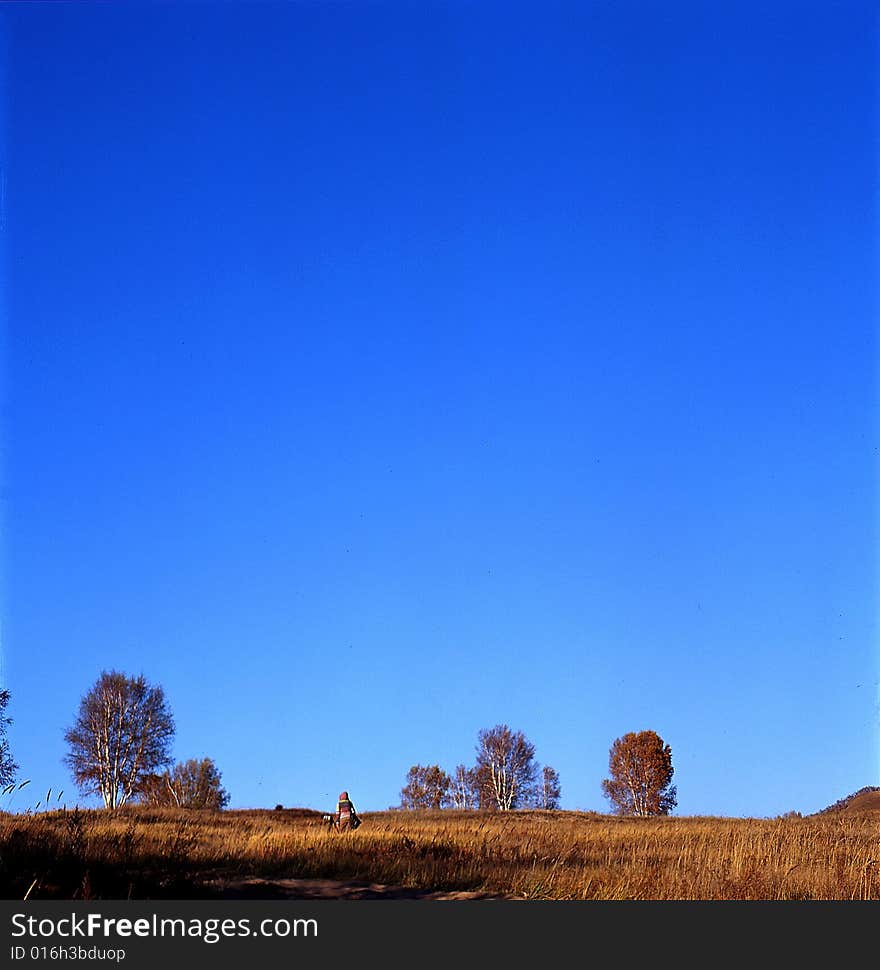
506 767
463 788
548 791
122 732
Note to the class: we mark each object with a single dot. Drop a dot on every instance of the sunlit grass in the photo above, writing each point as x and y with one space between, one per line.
530 855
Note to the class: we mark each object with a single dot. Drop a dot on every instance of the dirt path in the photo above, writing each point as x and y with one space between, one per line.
255 888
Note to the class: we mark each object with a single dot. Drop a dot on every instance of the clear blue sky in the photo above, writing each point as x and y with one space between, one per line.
375 373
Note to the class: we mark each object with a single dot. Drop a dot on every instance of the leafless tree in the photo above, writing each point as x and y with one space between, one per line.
463 788
506 767
548 791
123 731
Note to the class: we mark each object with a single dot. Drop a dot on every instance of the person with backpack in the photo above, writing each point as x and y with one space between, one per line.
346 817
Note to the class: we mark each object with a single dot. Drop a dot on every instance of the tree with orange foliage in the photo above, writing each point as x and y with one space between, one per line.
640 765
426 787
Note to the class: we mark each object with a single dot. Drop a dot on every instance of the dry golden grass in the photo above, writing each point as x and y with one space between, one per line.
151 853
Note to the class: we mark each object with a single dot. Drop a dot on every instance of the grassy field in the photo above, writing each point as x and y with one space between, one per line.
163 853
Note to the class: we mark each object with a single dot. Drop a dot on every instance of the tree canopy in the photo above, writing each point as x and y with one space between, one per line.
122 732
548 791
640 769
189 784
8 767
426 786
506 768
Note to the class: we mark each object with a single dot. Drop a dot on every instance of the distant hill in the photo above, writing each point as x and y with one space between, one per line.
864 800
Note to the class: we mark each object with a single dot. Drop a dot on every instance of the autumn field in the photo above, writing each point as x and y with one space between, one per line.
149 853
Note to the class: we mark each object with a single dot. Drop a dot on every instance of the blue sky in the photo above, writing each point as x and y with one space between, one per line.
379 372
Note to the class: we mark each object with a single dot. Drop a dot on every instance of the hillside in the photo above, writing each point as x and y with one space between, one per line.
146 853
866 799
